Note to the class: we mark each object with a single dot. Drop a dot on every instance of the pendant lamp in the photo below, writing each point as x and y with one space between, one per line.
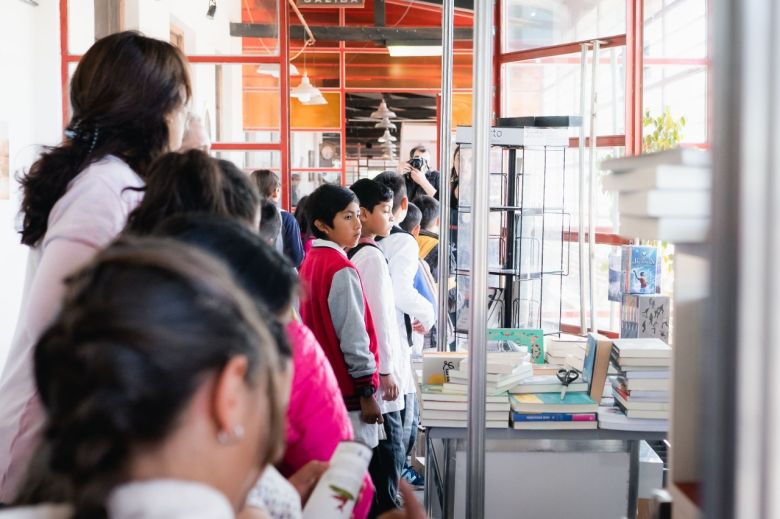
386 124
383 112
387 137
305 91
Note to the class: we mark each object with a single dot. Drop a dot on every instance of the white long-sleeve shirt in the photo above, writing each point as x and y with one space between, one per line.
378 287
402 254
89 215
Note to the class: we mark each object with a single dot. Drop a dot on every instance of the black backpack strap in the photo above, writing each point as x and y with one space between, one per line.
354 250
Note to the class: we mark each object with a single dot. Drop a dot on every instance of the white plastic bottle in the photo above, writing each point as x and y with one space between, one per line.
338 489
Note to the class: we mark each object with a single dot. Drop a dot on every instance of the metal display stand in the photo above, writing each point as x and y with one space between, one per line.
440 474
527 253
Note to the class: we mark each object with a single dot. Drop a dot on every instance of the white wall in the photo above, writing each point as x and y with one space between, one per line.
30 103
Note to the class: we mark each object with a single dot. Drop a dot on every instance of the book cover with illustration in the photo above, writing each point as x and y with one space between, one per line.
645 317
531 338
640 269
594 372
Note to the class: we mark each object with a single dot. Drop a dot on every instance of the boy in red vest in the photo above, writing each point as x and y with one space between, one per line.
334 306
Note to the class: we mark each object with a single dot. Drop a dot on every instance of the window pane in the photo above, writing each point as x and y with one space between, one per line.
384 71
236 99
606 203
327 116
322 68
303 183
675 73
607 312
315 150
182 22
528 24
251 160
551 86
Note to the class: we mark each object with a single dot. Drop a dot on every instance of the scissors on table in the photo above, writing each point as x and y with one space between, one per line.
567 376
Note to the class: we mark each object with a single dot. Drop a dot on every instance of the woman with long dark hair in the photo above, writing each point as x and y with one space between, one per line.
129 98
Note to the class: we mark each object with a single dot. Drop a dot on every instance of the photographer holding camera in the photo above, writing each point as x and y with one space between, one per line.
419 177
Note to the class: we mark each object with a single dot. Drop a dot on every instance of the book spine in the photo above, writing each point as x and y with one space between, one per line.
553 417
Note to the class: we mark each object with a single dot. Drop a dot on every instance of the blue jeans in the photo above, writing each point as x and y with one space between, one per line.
410 415
384 467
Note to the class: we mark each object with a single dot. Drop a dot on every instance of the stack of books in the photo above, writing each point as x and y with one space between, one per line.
504 370
663 195
445 409
550 411
566 351
641 391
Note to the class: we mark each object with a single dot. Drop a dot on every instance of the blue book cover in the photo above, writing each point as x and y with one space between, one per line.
590 360
553 417
640 269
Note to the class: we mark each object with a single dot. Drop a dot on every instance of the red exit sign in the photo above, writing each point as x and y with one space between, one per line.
331 3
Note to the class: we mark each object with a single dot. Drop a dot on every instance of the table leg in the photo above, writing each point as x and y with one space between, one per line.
450 451
428 489
633 478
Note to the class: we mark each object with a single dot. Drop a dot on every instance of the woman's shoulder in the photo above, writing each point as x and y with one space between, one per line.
110 171
46 511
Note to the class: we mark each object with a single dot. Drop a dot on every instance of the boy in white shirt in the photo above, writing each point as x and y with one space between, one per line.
376 218
414 313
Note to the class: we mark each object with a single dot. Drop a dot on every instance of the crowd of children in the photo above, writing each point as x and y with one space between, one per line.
185 347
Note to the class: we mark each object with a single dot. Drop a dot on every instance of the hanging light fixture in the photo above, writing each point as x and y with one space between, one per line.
272 70
387 137
383 112
305 91
319 99
386 124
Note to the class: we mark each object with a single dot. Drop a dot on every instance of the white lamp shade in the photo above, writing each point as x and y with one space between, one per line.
305 91
387 137
382 112
272 70
319 99
386 124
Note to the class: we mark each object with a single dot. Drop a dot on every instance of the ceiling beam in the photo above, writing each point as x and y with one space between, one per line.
331 33
379 13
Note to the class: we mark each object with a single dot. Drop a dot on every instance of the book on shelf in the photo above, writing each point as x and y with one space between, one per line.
639 395
565 345
546 384
684 156
645 316
462 389
462 424
673 229
640 269
658 372
613 418
523 426
660 203
671 177
646 384
436 393
636 363
643 413
594 371
502 363
437 405
641 348
552 403
626 402
565 362
554 417
530 338
490 416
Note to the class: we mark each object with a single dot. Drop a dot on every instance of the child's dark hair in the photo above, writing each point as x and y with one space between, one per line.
429 207
300 216
119 111
270 222
193 182
371 193
266 275
413 218
266 181
140 326
324 203
396 184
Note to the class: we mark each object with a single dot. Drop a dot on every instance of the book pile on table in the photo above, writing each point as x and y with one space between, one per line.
566 350
445 397
641 390
663 195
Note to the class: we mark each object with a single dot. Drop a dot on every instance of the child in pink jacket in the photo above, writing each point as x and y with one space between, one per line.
317 418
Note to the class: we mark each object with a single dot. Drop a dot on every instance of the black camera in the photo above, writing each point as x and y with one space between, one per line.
417 163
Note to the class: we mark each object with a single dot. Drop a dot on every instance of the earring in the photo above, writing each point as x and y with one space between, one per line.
226 438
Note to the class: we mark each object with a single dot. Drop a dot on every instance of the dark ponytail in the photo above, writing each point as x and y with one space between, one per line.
140 328
193 182
121 93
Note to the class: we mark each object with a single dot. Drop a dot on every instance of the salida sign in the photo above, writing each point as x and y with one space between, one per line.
331 3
